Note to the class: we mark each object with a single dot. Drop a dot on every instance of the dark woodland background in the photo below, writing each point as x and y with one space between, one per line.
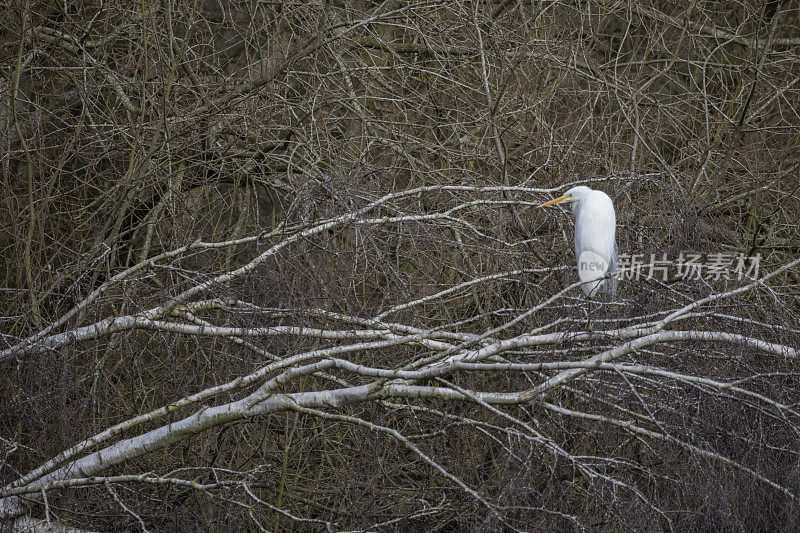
129 129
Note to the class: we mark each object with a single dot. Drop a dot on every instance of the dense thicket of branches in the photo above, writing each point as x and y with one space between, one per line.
274 265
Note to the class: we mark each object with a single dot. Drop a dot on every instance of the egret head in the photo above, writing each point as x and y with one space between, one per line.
572 196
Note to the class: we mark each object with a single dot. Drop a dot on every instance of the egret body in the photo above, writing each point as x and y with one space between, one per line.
595 237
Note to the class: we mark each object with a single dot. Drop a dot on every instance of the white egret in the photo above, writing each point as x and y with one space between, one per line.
595 238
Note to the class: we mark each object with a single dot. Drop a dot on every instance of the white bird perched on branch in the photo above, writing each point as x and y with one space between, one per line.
595 238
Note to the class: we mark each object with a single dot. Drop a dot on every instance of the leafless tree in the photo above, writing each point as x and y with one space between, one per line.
277 266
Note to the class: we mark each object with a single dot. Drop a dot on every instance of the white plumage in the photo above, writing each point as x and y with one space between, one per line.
595 238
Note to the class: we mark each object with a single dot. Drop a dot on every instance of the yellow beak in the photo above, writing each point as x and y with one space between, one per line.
554 201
